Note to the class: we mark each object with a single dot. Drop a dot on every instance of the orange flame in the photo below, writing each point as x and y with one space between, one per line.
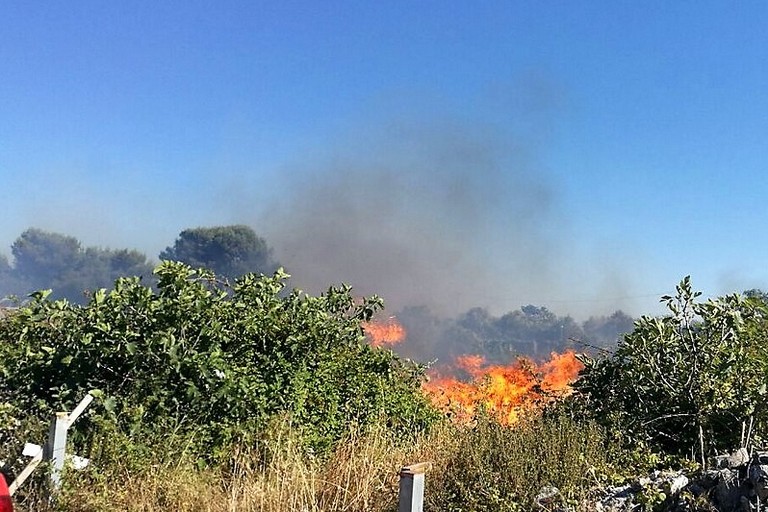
504 391
386 334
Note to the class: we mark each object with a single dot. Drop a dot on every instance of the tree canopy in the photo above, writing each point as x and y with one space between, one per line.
45 260
531 330
229 251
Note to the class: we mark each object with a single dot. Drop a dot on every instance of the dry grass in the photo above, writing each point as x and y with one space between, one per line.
484 467
277 476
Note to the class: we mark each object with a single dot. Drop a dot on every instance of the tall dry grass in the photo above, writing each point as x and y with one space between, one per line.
278 474
485 466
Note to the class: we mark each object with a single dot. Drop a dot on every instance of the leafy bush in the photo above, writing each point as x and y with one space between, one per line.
688 381
198 356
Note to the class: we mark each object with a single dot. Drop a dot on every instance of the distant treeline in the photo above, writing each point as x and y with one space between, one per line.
44 260
530 331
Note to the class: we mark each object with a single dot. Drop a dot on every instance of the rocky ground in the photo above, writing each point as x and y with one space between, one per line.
737 482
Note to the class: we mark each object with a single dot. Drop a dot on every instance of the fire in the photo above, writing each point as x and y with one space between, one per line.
504 391
385 334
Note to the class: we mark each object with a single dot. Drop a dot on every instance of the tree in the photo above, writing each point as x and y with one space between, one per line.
126 262
101 267
757 294
686 381
229 251
12 287
45 260
536 330
607 331
7 284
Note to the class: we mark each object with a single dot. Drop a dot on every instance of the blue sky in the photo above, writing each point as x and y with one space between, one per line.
580 155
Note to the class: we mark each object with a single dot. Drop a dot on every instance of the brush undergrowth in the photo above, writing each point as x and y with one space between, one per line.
485 466
495 467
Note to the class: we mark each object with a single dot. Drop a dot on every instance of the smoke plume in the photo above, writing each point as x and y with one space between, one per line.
421 214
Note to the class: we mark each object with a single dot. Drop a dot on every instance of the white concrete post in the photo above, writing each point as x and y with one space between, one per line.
56 448
411 496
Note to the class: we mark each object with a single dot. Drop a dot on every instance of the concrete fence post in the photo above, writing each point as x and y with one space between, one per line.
54 450
411 496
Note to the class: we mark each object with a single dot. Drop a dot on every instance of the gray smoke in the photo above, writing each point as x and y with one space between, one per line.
422 214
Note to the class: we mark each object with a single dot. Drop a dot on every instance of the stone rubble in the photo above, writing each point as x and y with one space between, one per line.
738 482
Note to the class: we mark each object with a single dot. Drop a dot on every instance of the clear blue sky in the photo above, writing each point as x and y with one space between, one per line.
590 154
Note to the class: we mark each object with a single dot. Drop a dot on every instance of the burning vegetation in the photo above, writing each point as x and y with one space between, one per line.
470 383
505 391
385 334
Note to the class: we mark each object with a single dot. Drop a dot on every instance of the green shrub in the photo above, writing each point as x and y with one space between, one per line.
196 356
685 381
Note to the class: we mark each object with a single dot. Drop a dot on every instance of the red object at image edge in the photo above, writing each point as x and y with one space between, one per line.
6 504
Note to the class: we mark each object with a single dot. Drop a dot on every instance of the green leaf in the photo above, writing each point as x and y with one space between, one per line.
109 404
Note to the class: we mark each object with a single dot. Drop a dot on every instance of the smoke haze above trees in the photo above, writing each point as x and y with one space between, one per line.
45 260
528 331
420 213
428 207
438 210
